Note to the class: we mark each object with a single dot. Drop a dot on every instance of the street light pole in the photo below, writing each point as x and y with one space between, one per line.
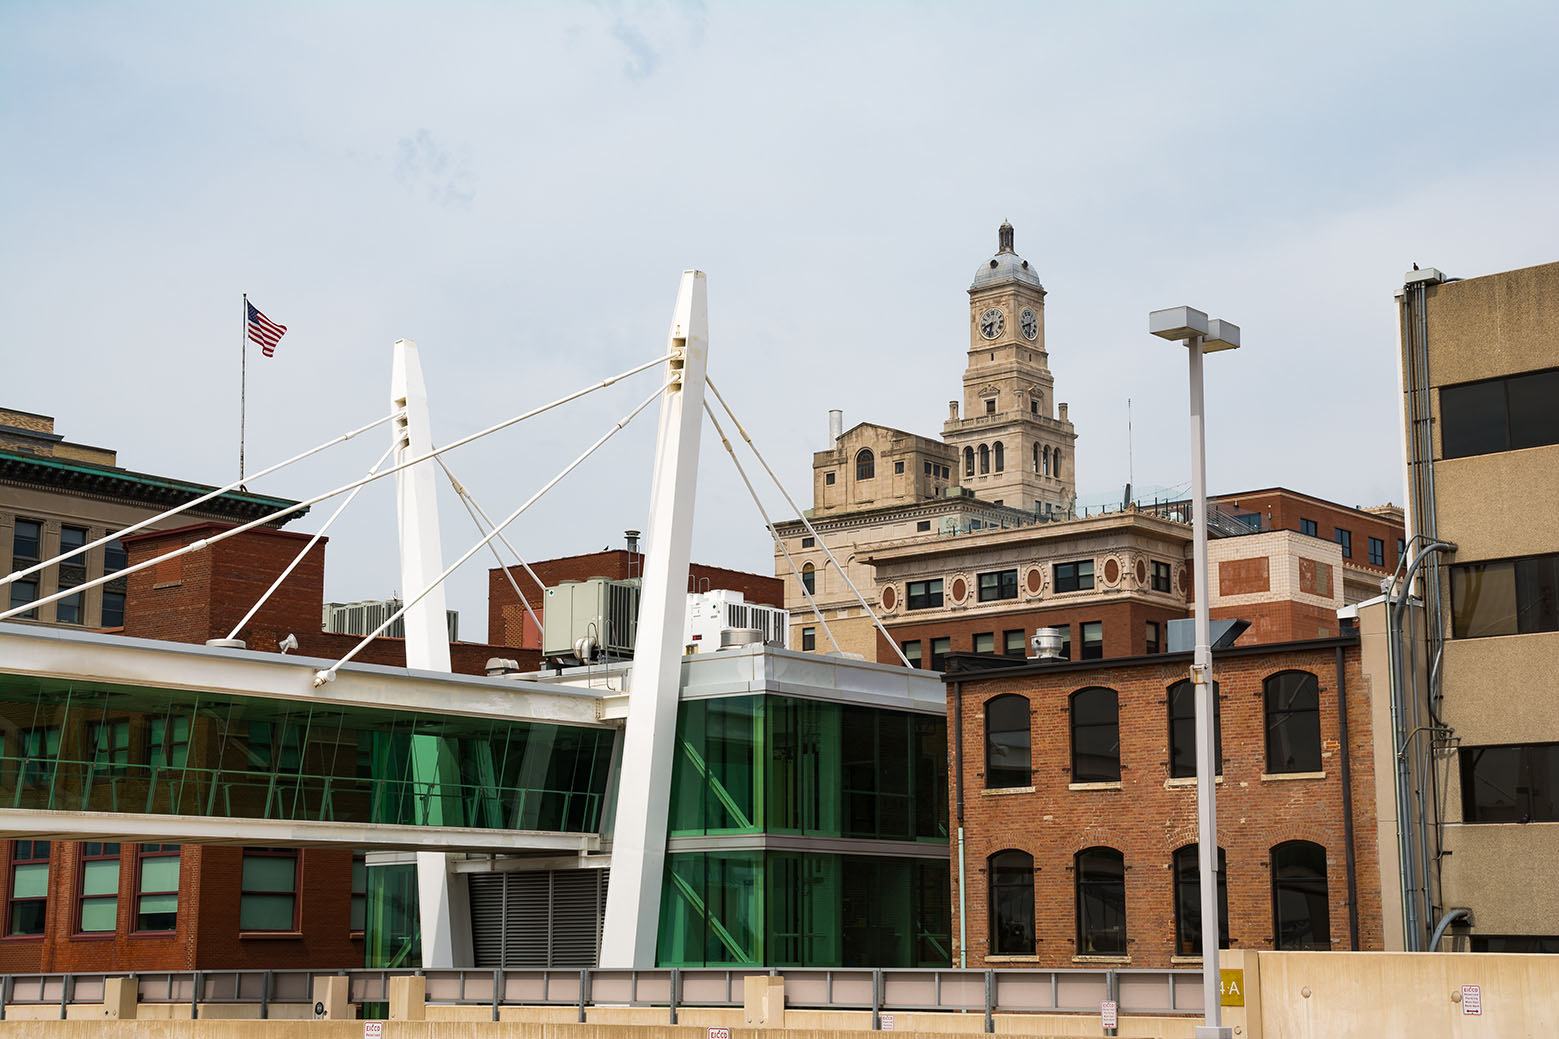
1201 335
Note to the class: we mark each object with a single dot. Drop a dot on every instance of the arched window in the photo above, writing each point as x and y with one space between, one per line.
1011 876
1182 730
1301 916
865 465
809 578
1188 902
1007 741
1096 736
1036 458
1101 902
1055 463
1047 461
968 461
1001 457
985 459
1293 722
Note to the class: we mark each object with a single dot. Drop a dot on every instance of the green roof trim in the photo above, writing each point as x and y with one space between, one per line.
159 487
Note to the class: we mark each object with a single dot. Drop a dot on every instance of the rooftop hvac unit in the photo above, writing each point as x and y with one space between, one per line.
710 613
359 618
604 611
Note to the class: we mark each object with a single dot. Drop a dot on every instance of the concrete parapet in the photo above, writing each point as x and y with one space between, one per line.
120 996
409 998
763 1000
331 993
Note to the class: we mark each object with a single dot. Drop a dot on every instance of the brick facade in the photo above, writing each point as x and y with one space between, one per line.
1148 815
1125 629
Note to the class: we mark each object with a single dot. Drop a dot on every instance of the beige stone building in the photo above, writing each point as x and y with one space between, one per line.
1480 373
56 495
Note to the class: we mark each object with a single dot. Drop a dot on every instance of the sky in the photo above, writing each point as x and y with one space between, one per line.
518 186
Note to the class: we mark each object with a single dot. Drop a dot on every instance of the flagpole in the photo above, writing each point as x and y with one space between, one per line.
243 374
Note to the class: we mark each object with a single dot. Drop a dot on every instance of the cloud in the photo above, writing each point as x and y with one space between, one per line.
643 59
425 168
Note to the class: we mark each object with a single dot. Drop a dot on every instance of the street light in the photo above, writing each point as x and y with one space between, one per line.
1201 335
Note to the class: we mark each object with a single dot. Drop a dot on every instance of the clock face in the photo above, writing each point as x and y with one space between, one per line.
991 323
1030 324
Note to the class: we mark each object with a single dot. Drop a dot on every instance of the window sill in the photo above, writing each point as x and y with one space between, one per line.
1003 791
270 935
1283 777
1187 781
1101 959
1008 958
1112 785
93 936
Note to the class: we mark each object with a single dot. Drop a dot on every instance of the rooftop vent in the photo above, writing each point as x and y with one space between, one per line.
1047 643
735 638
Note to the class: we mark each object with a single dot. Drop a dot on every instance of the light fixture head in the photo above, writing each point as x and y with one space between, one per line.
1221 335
1177 323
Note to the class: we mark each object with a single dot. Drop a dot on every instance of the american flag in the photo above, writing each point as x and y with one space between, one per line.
264 331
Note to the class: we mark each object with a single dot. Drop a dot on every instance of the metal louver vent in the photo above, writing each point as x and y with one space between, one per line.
538 918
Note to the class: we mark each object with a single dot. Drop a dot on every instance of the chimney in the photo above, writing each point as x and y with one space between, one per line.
1062 409
835 425
633 539
952 410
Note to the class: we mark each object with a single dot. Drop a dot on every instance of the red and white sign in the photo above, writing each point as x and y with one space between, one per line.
1472 1000
885 1022
719 1033
1110 1011
373 1030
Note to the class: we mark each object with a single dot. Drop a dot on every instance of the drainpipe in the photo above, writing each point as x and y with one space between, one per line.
1445 923
958 773
1347 801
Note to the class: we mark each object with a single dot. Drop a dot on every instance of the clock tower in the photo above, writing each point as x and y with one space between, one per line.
1014 444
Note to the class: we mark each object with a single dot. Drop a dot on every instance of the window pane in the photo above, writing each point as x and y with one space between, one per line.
100 877
160 873
1182 729
27 917
268 873
1007 747
1101 902
1533 418
1012 904
1472 419
1537 594
1096 744
1293 722
1301 914
30 881
265 913
985 642
157 913
99 914
1483 600
1188 902
1093 640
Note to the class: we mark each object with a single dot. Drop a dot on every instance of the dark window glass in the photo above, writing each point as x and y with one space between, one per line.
923 595
990 407
1007 760
1101 902
1093 640
1096 736
25 542
1055 463
1182 729
1509 597
113 609
898 467
968 461
1074 577
1300 912
1401 547
928 469
157 887
1377 552
68 609
1150 636
1188 902
940 648
985 642
1012 903
911 652
1530 399
40 753
28 896
985 459
865 465
24 592
1015 643
1066 640
110 746
114 558
359 892
1472 419
1307 526
1542 943
1513 784
1161 573
808 542
1345 539
72 538
1001 458
828 478
997 585
268 899
809 578
808 639
921 526
1293 707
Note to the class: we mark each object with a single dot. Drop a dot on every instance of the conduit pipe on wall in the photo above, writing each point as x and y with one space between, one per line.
1445 922
1347 801
958 772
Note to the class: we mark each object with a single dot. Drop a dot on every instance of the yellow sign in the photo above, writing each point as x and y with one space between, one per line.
1231 988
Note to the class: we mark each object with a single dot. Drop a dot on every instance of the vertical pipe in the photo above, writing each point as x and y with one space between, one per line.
958 786
1347 801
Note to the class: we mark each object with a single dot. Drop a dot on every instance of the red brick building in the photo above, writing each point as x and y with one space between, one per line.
1073 783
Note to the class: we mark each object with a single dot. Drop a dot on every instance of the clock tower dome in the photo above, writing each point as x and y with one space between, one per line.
1014 442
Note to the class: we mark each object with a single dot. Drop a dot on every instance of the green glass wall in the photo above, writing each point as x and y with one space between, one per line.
778 764
392 928
782 908
70 746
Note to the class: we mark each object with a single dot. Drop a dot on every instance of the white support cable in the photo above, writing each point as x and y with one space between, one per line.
306 549
141 524
196 546
472 510
329 674
808 524
770 524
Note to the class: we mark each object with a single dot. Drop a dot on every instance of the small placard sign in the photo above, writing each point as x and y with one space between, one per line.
1111 1012
885 1022
373 1030
1472 1000
719 1033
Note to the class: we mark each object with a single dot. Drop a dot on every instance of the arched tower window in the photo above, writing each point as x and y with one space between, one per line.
985 459
968 461
1047 461
1055 464
809 578
865 465
1001 457
1036 458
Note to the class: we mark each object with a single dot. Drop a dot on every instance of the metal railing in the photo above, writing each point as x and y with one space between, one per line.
882 990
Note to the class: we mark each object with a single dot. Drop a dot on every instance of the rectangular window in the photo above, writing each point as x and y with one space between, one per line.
26 541
998 585
114 557
922 526
1499 415
68 609
1509 597
1517 784
359 892
1066 640
1074 577
1377 552
1161 575
72 572
940 648
110 744
1515 943
985 642
1345 539
1093 640
808 542
808 639
990 407
24 592
923 595
928 469
40 747
72 538
1150 636
98 912
156 887
828 479
113 609
911 652
167 743
1401 547
898 467
1015 643
29 891
1309 527
268 900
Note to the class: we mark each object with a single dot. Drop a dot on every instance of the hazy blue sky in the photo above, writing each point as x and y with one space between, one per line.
518 186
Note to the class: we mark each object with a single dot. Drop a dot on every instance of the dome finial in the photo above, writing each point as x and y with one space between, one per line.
1004 237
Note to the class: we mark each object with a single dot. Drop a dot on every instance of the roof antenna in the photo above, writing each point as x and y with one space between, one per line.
1129 473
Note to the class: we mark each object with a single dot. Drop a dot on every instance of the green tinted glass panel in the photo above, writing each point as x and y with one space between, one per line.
31 881
159 904
265 913
160 873
268 873
99 914
359 877
391 926
100 877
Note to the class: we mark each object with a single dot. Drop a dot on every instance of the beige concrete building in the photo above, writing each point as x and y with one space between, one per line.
1480 374
56 495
